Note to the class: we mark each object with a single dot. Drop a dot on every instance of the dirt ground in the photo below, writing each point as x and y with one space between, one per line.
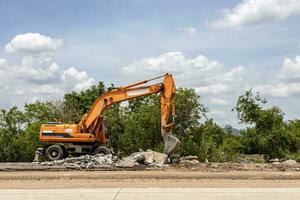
137 179
185 167
201 175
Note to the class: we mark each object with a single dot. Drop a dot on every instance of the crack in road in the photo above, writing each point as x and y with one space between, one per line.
117 194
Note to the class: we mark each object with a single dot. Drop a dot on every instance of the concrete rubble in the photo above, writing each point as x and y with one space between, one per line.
290 162
84 162
189 160
277 161
252 158
150 159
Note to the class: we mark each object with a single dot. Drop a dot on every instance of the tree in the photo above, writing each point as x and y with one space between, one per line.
268 135
12 122
76 104
209 141
188 110
142 125
248 107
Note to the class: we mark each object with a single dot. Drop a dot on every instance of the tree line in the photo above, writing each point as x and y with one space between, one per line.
137 126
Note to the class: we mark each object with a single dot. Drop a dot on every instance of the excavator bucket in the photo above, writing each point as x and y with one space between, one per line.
172 144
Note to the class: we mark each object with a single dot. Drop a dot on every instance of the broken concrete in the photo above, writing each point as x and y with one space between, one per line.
251 158
149 159
131 161
189 160
83 162
275 160
289 162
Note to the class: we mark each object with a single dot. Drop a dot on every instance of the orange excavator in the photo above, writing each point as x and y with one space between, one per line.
89 137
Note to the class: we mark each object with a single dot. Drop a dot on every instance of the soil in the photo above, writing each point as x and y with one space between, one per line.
171 178
188 174
185 167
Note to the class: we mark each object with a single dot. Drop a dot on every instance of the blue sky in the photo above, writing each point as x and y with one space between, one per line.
254 43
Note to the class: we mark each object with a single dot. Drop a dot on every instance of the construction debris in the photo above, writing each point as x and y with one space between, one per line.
252 158
275 160
133 160
84 162
148 158
289 162
189 160
151 160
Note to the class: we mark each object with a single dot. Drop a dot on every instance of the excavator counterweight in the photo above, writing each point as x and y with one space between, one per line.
88 136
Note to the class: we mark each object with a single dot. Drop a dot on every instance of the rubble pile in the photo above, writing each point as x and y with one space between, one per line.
84 162
150 159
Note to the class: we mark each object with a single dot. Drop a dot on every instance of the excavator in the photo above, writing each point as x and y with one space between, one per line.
89 135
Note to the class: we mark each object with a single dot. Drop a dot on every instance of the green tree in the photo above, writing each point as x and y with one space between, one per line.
12 122
268 134
248 107
188 110
207 142
76 104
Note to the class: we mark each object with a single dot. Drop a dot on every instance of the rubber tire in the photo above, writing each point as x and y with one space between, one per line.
60 154
101 149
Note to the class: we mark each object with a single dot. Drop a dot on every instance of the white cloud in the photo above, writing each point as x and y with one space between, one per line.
206 75
280 89
212 89
78 79
236 73
2 61
218 102
287 80
37 76
217 85
34 73
218 113
255 12
33 43
64 80
220 116
47 89
290 70
189 30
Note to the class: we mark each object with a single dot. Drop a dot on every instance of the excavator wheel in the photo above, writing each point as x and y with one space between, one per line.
54 152
101 149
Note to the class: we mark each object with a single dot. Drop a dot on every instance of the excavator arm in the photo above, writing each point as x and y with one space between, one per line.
93 121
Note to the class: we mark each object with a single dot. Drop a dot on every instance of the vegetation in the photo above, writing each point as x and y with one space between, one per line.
137 126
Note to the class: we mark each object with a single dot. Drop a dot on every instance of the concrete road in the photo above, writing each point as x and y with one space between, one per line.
153 193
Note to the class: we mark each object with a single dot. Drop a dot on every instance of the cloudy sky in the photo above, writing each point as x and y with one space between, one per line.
220 48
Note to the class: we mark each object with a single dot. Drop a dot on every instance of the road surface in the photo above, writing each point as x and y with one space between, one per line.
158 185
154 193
